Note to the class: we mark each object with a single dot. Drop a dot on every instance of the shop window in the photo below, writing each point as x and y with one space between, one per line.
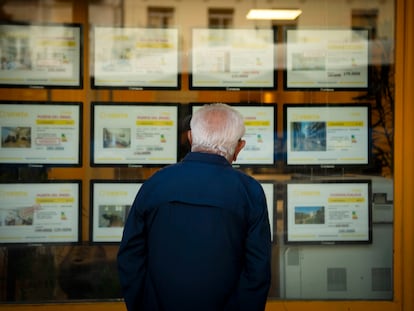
302 270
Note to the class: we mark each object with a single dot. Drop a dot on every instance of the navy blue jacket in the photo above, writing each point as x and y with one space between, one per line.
197 238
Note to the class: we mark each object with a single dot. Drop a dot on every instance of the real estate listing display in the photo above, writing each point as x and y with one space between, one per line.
41 56
40 212
327 135
136 58
111 202
260 123
129 134
328 212
233 59
110 205
327 60
41 133
269 190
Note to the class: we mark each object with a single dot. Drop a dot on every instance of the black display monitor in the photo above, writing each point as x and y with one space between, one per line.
41 133
327 135
233 59
40 212
261 134
41 55
111 201
134 134
269 188
328 212
136 58
327 59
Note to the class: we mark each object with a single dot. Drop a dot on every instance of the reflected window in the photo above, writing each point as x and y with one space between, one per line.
220 18
365 19
160 17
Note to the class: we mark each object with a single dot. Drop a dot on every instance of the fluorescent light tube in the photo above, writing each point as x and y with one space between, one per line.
279 14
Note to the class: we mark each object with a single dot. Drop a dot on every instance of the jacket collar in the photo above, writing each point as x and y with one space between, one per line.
206 158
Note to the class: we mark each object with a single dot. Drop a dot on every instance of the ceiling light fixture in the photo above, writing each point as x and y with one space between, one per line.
278 14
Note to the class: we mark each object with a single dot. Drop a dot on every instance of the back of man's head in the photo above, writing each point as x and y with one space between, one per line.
216 128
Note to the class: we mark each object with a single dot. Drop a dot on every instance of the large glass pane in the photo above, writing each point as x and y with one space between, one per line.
331 201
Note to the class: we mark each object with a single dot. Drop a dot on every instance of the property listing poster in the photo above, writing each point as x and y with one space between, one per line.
260 127
135 134
39 212
40 133
260 130
233 58
136 57
328 212
269 190
327 135
111 204
40 55
327 59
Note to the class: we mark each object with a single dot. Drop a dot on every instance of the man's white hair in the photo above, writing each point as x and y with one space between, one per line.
216 128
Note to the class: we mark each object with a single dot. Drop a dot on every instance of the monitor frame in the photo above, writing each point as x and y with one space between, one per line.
26 76
268 163
329 234
43 114
337 79
315 163
116 112
103 191
224 58
61 195
271 199
147 37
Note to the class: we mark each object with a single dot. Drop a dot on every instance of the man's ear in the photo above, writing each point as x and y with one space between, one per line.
190 138
239 147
